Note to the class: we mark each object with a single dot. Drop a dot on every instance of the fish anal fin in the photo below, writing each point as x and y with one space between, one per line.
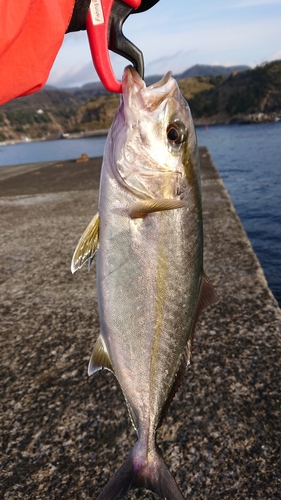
132 414
87 245
141 209
99 358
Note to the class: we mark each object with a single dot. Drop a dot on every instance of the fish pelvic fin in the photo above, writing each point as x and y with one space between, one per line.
99 358
142 471
140 209
87 245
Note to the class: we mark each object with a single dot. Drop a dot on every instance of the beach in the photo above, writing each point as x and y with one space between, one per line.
64 434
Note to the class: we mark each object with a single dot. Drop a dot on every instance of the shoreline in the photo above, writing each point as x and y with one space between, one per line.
58 137
253 119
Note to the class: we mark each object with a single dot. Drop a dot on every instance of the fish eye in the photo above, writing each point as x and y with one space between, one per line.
176 133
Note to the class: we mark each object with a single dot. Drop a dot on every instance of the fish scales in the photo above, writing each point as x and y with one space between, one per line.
146 326
150 279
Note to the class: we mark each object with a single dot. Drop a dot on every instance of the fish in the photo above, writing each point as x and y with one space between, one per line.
148 241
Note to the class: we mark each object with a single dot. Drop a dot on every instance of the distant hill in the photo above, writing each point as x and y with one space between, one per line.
248 96
206 70
96 88
241 96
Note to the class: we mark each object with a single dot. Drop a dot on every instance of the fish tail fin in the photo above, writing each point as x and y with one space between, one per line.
121 482
138 472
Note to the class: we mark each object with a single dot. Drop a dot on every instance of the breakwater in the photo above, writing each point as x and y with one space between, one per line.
64 435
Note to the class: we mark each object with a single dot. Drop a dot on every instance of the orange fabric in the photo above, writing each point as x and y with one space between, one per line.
31 33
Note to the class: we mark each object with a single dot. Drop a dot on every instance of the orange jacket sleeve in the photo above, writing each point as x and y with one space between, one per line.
31 33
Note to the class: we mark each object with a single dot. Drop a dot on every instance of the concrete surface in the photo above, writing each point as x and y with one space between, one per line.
64 435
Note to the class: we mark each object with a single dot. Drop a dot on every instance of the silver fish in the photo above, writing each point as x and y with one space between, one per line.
148 239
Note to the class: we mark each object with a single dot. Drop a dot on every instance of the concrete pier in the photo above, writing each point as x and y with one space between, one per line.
64 435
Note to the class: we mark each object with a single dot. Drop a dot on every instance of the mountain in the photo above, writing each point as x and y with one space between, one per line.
96 88
206 70
247 96
239 96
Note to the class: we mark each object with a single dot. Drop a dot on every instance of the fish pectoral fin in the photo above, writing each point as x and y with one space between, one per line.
100 358
87 245
140 209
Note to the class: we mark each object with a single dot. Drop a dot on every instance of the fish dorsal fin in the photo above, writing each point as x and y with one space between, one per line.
87 245
140 209
185 361
207 295
100 358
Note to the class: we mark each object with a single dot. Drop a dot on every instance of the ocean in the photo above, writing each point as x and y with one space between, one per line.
248 158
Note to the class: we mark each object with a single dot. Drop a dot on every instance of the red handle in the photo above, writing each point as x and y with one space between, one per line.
97 29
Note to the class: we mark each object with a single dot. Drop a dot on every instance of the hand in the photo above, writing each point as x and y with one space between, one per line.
81 7
79 14
145 5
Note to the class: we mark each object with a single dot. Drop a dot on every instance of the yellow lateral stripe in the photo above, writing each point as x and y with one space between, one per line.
161 282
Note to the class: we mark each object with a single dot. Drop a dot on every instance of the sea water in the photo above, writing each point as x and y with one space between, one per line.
248 158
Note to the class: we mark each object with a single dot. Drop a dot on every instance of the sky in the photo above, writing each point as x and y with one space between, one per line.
176 34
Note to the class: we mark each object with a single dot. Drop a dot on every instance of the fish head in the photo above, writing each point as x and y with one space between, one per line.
153 140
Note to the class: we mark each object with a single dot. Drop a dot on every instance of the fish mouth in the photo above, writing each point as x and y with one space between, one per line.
136 93
131 79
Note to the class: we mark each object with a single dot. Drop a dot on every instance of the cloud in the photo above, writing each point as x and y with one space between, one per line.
178 60
73 76
276 55
177 38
